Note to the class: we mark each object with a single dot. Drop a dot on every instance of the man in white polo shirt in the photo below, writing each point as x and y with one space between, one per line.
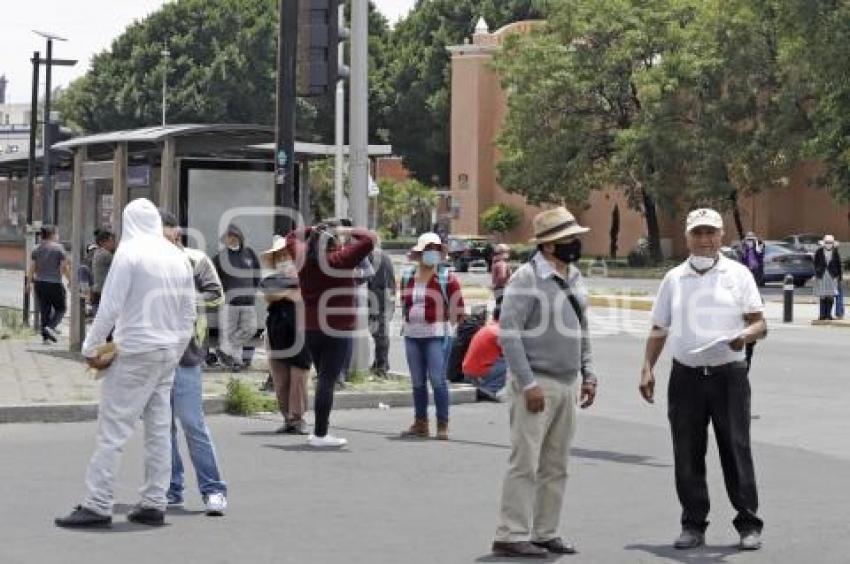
708 308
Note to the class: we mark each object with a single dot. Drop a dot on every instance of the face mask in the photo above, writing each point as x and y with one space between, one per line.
828 246
281 264
702 263
568 252
233 248
431 258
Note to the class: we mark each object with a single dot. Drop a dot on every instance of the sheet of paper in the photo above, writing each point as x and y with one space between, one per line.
722 340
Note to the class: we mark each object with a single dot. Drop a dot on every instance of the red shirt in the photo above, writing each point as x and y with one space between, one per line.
337 310
435 304
483 351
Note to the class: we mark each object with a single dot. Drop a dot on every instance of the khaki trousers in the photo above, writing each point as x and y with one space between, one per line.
533 490
290 388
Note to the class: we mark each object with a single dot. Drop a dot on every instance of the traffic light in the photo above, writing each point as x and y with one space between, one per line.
319 35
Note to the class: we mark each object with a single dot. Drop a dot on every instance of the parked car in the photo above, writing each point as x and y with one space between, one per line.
780 259
464 249
805 242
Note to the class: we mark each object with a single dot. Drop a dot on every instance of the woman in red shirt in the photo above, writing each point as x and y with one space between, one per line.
432 303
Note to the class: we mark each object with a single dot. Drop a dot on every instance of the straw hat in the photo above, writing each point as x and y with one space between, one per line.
555 224
278 243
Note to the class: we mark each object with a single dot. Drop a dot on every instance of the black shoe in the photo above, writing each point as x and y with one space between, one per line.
147 516
81 518
556 546
45 334
523 549
484 396
296 429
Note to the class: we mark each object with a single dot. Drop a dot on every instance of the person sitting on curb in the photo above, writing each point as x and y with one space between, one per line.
484 362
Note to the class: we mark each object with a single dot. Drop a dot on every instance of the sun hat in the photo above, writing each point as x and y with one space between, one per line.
426 239
555 224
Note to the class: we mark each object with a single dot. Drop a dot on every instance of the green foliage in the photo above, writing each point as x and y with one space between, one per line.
679 102
222 69
417 76
243 399
500 218
399 200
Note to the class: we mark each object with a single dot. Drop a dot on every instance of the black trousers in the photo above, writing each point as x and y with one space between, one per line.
329 355
826 308
721 397
378 326
51 303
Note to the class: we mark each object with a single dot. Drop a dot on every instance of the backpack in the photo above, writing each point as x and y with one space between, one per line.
466 330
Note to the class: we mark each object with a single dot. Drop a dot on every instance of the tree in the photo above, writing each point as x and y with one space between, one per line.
500 219
679 102
222 69
417 76
409 199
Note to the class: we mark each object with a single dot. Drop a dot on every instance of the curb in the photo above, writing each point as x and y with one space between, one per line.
834 323
622 302
77 412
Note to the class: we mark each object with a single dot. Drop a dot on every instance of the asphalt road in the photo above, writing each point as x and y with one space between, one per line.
384 500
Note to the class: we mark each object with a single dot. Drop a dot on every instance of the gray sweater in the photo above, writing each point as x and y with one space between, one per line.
540 332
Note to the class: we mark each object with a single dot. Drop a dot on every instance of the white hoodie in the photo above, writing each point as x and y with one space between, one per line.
149 294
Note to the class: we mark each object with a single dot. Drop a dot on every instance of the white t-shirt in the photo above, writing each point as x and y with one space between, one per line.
697 310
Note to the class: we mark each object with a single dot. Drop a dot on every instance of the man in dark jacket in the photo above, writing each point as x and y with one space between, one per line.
381 308
239 270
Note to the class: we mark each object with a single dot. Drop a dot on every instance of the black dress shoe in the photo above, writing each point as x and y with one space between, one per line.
147 516
81 518
556 546
522 549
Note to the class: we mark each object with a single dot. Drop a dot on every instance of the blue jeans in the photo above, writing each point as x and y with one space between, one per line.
495 379
426 359
187 407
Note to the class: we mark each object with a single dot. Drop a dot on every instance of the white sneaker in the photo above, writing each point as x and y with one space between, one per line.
216 504
327 441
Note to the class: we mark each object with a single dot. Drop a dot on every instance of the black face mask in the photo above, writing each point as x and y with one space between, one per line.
568 252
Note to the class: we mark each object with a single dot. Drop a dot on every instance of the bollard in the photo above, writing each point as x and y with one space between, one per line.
788 293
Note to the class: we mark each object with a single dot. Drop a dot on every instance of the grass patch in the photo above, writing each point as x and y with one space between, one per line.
242 398
12 324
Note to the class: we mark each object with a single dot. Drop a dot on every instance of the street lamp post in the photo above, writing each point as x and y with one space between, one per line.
165 55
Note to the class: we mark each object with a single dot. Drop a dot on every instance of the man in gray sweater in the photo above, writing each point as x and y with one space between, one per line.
545 340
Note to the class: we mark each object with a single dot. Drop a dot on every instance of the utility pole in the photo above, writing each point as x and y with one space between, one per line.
47 181
31 164
358 130
165 55
339 133
287 46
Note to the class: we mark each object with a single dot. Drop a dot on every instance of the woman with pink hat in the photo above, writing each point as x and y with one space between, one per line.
431 303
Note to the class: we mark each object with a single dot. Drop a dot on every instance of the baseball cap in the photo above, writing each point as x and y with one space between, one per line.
703 217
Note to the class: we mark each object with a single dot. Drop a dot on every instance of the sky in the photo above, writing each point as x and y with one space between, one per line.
89 26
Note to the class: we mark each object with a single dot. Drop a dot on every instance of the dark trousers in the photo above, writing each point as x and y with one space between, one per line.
51 302
826 308
329 356
380 334
723 398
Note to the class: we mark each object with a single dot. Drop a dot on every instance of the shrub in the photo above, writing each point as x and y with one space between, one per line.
243 399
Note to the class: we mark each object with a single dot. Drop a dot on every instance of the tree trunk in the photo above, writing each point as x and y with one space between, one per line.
615 230
652 229
736 214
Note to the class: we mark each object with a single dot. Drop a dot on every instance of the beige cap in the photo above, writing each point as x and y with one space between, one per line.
703 217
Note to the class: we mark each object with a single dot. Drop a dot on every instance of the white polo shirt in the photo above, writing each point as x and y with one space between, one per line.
699 309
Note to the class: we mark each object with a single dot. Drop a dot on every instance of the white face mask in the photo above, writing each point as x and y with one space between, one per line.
702 263
281 264
233 248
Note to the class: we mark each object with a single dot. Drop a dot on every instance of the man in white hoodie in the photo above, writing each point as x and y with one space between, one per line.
149 298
